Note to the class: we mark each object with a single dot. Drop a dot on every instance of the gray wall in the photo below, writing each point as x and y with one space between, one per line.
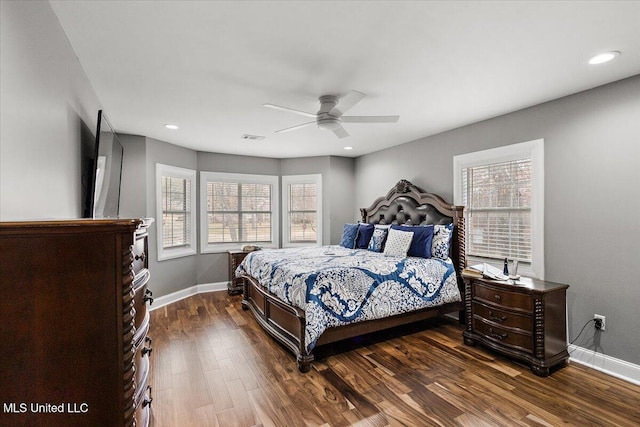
45 101
592 197
173 274
340 200
133 200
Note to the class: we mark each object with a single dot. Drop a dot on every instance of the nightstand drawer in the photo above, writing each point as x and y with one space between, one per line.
503 318
505 337
519 301
526 321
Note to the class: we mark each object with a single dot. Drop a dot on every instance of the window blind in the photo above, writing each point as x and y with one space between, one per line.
497 198
176 214
303 215
238 212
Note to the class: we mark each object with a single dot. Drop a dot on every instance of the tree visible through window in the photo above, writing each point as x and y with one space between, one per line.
498 209
176 213
238 212
302 210
303 215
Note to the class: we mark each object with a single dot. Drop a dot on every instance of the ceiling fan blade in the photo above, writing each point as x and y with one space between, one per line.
346 103
291 110
369 119
340 132
295 127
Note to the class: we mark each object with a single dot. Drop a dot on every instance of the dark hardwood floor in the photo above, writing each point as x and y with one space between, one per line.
214 366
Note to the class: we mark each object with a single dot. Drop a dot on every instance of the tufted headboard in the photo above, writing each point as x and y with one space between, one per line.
408 204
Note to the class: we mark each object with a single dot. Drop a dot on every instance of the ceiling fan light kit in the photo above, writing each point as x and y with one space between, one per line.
330 115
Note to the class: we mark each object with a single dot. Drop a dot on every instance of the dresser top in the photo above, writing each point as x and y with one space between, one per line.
524 283
73 225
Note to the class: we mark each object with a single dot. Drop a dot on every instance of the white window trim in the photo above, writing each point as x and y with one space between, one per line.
300 179
180 173
206 177
530 149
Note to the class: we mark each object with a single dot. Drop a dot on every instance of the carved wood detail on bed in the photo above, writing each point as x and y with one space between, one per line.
405 203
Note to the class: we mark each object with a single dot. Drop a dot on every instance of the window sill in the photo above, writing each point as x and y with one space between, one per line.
225 247
175 253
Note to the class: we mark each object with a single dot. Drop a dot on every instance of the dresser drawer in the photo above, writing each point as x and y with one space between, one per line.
503 318
142 414
516 300
505 337
139 256
142 361
143 406
142 296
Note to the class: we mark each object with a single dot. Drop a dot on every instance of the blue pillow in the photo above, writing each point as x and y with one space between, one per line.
376 244
349 234
441 241
365 231
422 239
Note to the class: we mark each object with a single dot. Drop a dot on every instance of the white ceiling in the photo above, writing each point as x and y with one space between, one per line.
208 66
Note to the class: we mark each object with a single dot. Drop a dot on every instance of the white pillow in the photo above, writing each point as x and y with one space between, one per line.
398 243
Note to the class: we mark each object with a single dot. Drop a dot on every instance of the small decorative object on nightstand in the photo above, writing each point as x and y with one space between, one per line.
524 319
235 285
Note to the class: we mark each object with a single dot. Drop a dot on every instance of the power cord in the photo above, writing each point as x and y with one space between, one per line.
582 330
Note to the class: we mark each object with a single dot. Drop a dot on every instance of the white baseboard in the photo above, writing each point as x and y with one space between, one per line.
609 365
184 293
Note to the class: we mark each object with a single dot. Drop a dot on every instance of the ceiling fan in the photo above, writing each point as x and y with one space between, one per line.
330 115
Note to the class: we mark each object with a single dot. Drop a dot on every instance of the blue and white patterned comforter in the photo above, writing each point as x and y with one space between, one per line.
336 286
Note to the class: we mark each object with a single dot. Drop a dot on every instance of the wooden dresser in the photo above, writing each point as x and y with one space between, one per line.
526 321
74 349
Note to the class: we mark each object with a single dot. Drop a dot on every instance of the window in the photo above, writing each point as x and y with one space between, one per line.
176 207
302 210
502 190
238 209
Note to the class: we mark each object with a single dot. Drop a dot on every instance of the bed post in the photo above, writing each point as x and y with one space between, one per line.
462 256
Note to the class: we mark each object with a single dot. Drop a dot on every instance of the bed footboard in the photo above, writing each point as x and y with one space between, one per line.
287 323
284 322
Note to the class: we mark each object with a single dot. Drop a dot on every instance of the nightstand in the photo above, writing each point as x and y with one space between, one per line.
526 320
235 285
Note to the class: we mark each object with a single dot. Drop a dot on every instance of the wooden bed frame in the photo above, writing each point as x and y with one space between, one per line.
404 204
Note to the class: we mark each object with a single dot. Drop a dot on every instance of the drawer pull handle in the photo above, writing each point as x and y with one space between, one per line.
147 401
496 336
498 297
496 318
147 296
141 257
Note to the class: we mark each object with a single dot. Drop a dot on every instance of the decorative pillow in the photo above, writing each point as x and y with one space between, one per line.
441 241
422 238
398 243
376 244
349 234
365 231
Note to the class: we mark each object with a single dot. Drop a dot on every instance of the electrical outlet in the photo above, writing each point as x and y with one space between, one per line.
601 318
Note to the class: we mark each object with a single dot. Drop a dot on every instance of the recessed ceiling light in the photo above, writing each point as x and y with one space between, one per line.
601 58
172 127
348 148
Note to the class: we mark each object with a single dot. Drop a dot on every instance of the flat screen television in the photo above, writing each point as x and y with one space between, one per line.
102 172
